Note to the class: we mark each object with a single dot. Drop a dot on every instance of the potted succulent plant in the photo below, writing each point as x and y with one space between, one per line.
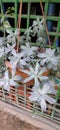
35 64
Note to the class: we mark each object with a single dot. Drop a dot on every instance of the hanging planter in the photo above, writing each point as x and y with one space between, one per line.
35 75
31 65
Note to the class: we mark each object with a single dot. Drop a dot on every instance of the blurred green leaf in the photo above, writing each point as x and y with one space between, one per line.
58 94
57 80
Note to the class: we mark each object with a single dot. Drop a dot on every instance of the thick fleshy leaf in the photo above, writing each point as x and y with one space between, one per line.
43 61
9 48
49 57
6 24
1 52
37 68
13 65
12 82
50 99
34 23
36 84
7 87
43 78
6 74
13 71
42 55
1 82
49 66
17 77
54 60
28 79
32 71
34 48
23 47
43 105
16 31
42 71
22 61
9 31
50 51
35 88
21 54
14 52
46 88
11 58
33 97
26 71
29 51
52 90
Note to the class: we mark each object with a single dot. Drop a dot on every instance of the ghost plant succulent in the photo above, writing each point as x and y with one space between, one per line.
31 61
41 94
8 81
